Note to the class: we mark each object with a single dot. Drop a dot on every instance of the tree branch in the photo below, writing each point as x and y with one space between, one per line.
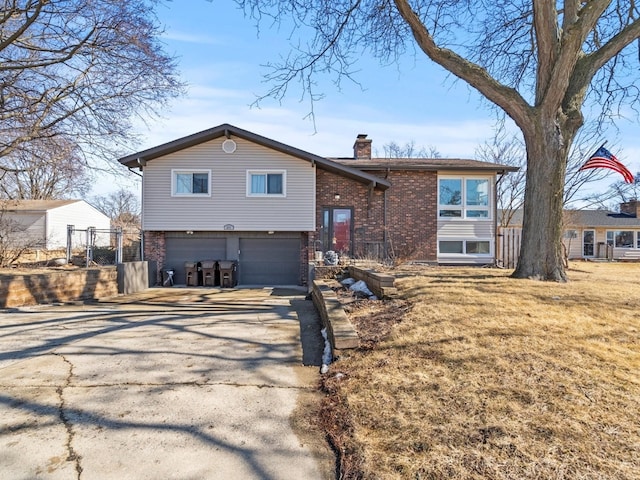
506 98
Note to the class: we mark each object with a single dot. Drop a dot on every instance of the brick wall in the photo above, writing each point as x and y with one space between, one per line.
154 251
367 204
412 203
59 286
411 213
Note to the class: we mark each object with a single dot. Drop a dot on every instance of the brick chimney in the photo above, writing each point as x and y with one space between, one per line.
362 147
632 207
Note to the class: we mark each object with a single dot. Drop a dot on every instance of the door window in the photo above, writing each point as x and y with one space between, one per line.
337 228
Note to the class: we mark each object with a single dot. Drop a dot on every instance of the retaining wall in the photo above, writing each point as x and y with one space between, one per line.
340 331
57 286
381 284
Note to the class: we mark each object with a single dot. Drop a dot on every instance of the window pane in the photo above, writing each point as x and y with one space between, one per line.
478 247
477 214
624 239
450 191
258 183
447 246
274 181
183 183
451 213
200 183
478 192
609 238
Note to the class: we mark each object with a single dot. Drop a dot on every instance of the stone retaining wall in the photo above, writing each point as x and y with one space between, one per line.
17 290
381 284
340 331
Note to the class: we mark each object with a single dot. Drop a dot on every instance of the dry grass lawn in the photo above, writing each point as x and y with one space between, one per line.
488 377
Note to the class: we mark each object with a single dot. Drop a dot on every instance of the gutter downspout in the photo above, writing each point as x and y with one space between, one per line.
141 163
384 223
495 219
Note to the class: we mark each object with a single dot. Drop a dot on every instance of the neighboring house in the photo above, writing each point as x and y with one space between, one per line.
226 193
43 223
594 234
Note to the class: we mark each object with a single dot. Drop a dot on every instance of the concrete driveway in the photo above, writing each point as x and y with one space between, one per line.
170 383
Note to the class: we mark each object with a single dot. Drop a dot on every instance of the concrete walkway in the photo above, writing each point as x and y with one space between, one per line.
171 383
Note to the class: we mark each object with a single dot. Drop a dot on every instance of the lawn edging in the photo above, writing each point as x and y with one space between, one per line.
340 331
381 284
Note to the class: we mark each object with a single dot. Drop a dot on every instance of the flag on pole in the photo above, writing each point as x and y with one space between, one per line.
603 158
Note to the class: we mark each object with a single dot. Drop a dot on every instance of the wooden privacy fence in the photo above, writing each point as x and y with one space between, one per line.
508 247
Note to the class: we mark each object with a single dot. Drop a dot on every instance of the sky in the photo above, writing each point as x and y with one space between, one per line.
222 56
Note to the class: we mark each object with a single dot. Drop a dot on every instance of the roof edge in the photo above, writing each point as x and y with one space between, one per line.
140 158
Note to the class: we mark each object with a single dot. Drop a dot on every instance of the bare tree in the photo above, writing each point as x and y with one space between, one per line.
509 150
79 69
617 193
49 168
122 207
409 150
538 61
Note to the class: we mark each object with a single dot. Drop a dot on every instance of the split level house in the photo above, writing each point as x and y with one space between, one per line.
230 194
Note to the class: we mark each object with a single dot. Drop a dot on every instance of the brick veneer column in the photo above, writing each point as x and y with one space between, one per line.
155 250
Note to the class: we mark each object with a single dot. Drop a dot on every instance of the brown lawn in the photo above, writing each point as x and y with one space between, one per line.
489 377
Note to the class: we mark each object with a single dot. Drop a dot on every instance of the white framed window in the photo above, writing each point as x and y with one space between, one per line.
623 239
476 247
191 183
266 183
464 197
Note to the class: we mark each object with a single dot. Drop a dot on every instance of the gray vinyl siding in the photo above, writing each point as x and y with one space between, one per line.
228 203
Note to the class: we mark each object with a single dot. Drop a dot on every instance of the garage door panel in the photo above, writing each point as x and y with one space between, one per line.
192 249
269 261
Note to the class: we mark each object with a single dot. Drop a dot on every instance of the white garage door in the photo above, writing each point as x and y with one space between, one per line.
269 261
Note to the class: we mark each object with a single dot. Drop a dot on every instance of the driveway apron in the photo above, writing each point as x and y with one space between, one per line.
169 383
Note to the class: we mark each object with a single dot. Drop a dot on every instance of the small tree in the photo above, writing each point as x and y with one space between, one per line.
123 208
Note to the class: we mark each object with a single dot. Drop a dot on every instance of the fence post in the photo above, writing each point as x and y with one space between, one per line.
70 231
118 245
91 239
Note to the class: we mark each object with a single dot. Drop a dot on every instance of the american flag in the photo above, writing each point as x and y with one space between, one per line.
603 158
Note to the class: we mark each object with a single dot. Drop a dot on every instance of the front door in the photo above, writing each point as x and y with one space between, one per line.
588 243
337 230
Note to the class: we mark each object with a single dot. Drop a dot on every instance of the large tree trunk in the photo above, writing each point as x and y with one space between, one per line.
541 254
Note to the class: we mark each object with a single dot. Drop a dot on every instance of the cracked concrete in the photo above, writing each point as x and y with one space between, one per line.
169 383
72 456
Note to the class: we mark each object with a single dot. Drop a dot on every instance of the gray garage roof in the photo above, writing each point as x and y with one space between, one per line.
428 164
34 205
591 218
